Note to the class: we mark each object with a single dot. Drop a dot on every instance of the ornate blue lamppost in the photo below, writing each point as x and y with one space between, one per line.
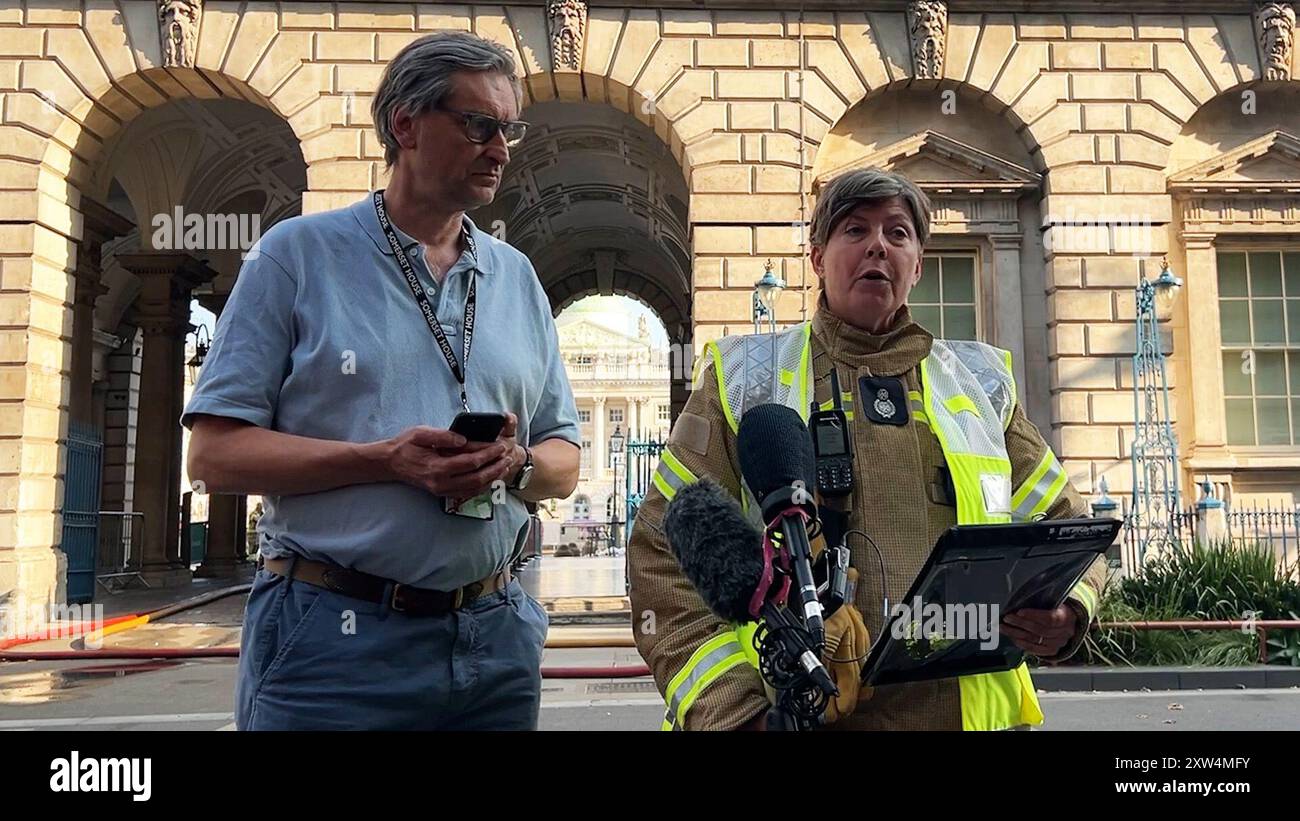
1155 447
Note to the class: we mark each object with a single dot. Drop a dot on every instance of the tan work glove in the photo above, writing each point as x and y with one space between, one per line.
847 644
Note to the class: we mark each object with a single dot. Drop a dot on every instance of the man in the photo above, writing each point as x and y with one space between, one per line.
938 438
386 601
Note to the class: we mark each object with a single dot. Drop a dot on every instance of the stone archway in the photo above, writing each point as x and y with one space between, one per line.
109 133
201 179
599 204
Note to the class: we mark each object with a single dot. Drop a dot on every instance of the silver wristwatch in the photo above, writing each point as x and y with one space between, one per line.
525 474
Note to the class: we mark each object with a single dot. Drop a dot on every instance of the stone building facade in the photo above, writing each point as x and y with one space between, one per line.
676 147
620 387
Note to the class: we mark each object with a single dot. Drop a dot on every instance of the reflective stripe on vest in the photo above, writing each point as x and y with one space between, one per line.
971 435
743 636
671 475
709 661
1040 490
1086 596
846 402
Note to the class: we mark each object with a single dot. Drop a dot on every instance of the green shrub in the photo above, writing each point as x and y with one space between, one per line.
1214 583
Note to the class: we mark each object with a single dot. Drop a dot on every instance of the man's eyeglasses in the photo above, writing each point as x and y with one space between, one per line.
480 128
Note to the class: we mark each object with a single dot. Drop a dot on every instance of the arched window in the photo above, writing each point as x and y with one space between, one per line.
582 507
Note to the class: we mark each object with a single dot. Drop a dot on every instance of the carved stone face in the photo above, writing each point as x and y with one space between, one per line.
566 16
1277 23
177 9
1277 36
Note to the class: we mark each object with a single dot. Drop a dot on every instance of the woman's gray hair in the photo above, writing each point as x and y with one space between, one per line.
867 186
419 78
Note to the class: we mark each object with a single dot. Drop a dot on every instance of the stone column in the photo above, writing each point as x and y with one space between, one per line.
100 225
226 550
163 312
1209 428
1009 312
1211 518
598 441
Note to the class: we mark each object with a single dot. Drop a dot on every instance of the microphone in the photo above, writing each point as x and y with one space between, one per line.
776 458
720 552
719 549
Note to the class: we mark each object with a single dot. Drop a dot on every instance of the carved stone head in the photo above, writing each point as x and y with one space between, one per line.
1275 24
927 22
567 19
178 23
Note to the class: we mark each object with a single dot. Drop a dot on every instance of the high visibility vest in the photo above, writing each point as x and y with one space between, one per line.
967 398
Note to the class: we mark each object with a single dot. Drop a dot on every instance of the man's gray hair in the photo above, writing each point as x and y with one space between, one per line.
419 78
867 186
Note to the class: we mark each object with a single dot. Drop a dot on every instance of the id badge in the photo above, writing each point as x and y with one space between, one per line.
480 507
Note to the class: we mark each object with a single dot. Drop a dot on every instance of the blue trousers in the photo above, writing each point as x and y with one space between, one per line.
312 659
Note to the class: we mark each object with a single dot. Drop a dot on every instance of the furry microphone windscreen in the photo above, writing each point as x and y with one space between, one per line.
720 551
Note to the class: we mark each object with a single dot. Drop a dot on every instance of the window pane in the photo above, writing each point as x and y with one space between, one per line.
1293 359
959 322
1236 382
1241 422
1266 319
1270 374
1234 319
1232 274
927 290
1291 264
928 317
1293 320
958 279
1265 273
1274 428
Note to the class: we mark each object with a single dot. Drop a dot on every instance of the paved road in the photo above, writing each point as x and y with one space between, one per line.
553 577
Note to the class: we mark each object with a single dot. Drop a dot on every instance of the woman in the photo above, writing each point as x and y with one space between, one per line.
920 467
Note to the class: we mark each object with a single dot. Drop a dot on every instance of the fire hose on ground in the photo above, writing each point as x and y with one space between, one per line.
120 624
84 633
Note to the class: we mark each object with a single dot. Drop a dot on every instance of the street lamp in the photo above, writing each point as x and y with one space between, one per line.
1154 453
1166 286
616 441
766 291
202 344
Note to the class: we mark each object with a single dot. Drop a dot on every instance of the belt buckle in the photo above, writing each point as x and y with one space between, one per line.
458 598
392 600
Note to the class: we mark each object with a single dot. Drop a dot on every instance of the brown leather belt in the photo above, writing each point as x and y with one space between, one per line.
404 599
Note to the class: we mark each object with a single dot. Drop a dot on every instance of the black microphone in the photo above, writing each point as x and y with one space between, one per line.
719 549
721 553
777 460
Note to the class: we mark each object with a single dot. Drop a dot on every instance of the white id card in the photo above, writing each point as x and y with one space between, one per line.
480 507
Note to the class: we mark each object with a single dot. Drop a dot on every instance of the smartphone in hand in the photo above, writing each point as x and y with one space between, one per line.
479 427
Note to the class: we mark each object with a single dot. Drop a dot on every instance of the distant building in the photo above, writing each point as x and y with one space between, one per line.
620 383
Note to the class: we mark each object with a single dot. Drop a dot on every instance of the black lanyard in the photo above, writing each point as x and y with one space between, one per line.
421 299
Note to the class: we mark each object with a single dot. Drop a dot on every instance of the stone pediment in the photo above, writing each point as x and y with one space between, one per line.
1267 163
585 335
941 164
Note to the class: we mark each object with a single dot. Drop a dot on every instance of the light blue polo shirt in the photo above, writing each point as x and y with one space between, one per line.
322 338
